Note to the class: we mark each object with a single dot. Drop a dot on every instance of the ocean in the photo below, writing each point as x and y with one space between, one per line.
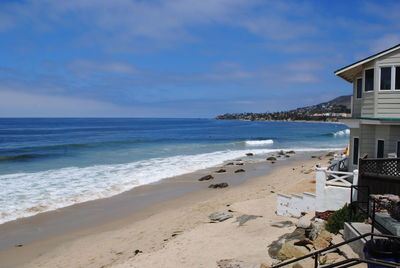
46 164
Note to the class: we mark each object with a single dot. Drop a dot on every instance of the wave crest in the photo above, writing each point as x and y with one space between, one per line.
259 142
342 132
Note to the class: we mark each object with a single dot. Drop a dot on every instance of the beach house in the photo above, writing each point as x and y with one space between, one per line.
375 122
374 158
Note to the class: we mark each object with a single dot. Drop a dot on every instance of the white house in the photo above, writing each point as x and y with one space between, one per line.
375 122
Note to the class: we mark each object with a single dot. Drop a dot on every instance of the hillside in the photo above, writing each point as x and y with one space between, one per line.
326 111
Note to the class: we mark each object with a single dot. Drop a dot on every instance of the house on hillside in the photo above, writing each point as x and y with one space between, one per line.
375 122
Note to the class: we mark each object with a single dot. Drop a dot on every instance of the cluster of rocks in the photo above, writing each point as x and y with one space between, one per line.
309 236
222 170
281 153
388 203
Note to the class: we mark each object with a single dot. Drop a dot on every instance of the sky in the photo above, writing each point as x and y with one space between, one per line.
182 58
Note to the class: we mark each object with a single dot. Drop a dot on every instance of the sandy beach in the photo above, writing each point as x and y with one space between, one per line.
176 231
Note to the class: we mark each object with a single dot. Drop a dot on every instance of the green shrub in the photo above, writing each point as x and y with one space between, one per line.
346 214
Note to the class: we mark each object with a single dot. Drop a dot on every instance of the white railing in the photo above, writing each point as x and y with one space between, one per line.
333 188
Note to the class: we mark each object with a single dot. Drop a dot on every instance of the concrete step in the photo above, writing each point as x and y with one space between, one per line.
354 229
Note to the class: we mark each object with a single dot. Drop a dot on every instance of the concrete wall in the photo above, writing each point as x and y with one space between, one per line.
332 197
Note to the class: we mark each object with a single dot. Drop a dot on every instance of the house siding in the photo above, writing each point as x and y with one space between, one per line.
367 140
369 135
394 137
368 104
387 102
392 58
388 105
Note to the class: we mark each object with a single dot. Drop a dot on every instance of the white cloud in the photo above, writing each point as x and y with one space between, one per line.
385 42
85 67
23 104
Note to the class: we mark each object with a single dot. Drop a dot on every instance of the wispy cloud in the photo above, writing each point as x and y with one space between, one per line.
163 53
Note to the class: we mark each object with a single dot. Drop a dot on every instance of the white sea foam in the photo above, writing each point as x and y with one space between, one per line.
342 132
27 194
259 142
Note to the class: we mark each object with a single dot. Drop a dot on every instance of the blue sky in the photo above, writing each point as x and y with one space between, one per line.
182 58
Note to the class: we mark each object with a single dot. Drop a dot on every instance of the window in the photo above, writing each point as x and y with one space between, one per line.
397 76
355 151
398 149
380 149
359 88
386 78
369 80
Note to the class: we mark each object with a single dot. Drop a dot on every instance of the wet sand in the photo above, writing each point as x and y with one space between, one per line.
43 236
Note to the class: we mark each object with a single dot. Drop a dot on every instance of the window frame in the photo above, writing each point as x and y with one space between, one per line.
393 77
365 80
376 148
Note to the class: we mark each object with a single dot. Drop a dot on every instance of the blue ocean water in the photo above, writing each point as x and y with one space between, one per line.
51 163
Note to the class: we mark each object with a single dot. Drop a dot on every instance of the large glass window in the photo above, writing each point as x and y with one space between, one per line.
386 78
355 151
369 80
398 149
359 88
380 149
397 83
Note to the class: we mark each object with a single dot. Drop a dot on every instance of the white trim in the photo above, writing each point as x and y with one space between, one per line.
376 147
380 76
358 151
367 60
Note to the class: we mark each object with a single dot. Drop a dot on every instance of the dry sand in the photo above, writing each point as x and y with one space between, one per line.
178 233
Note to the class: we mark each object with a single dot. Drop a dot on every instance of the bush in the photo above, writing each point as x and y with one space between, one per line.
346 214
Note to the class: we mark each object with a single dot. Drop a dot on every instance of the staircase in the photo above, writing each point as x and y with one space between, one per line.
332 191
295 204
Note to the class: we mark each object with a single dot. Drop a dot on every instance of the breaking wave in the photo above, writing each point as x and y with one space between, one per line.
259 142
342 132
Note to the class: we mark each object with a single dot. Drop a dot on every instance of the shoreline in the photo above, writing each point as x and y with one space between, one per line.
44 208
118 211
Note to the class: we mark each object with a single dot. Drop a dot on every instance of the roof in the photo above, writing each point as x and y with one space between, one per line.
341 72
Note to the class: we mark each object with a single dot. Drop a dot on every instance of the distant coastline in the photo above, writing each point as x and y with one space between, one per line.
331 111
329 120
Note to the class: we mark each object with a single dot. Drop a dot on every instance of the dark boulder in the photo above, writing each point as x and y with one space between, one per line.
240 170
206 178
218 185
